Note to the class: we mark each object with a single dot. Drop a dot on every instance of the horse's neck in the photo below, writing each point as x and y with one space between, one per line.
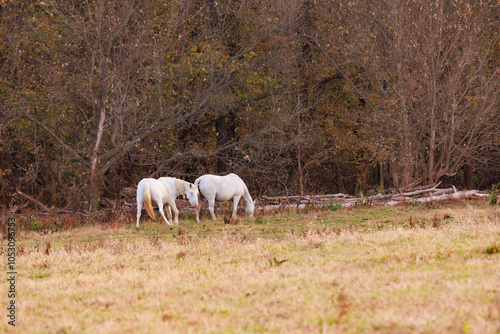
246 195
181 187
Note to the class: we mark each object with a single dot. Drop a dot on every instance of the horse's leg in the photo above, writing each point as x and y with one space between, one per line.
236 200
139 211
197 212
169 212
211 204
198 209
160 207
176 212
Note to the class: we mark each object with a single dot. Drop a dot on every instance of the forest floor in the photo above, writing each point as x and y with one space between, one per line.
431 268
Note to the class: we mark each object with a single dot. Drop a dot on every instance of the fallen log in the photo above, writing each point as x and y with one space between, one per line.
302 199
31 199
422 195
40 205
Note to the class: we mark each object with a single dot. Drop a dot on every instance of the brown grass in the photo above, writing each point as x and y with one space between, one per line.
351 271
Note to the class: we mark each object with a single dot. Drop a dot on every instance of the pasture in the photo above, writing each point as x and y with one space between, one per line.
405 269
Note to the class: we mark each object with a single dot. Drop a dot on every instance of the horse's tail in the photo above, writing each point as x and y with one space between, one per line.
147 201
197 183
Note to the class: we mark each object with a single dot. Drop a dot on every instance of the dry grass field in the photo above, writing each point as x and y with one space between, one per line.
408 269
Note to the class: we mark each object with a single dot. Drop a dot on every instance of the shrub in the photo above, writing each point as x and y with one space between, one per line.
334 206
493 198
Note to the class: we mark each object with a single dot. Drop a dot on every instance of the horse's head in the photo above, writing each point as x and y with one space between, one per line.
192 195
249 208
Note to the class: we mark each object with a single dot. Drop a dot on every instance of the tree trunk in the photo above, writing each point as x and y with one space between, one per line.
53 167
406 154
468 173
395 178
299 157
406 147
381 174
95 192
432 148
94 175
221 130
303 89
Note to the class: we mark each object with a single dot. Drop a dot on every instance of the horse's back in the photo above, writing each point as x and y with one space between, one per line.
175 186
168 182
157 189
142 184
221 188
234 178
207 185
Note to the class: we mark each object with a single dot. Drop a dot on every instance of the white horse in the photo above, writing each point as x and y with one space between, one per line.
149 190
152 190
178 187
223 188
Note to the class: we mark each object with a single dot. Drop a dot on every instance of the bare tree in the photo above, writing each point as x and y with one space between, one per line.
419 69
134 86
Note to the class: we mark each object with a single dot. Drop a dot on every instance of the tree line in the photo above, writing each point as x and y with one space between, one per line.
295 96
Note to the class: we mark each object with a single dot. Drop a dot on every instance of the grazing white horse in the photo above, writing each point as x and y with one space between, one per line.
163 191
177 187
152 190
223 188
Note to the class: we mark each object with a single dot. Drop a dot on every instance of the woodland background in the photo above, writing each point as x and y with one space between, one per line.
295 96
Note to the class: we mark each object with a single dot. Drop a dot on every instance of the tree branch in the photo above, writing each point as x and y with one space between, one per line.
56 137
